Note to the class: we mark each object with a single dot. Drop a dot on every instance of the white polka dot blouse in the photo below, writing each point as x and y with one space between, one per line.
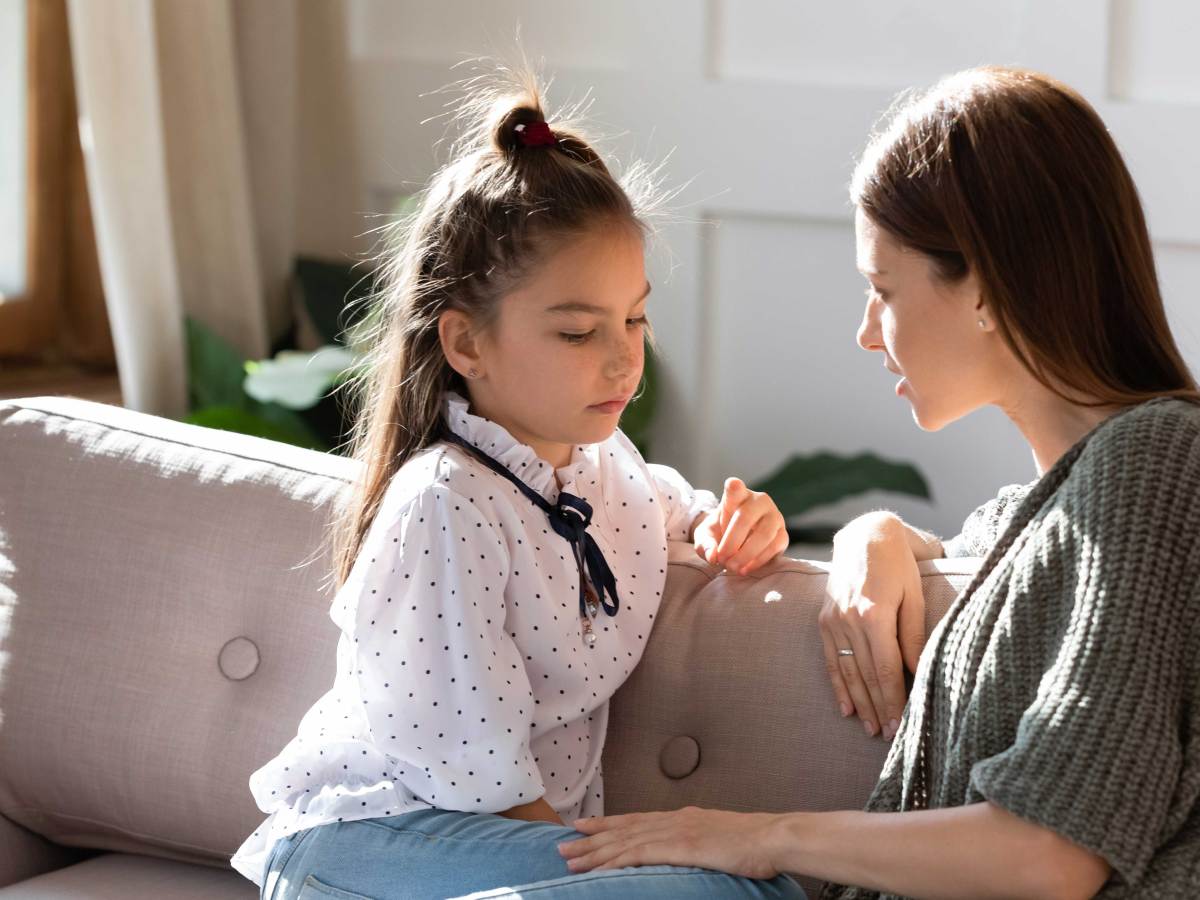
463 678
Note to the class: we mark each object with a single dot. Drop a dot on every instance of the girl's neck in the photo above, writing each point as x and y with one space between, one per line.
554 454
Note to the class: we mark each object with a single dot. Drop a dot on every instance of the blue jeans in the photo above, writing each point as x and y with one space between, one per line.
433 853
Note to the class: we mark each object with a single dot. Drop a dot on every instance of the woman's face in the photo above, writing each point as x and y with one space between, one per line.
928 331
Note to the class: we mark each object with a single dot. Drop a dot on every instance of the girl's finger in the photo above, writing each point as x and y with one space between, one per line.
757 540
736 531
731 498
774 548
834 670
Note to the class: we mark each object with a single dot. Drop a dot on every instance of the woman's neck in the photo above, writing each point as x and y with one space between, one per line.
1050 423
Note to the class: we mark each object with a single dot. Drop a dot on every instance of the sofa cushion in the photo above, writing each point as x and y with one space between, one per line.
120 876
163 625
731 706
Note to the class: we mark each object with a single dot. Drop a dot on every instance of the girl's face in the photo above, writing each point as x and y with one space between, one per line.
564 355
927 331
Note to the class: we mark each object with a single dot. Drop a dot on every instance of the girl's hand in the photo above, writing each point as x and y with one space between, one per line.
728 842
746 531
873 606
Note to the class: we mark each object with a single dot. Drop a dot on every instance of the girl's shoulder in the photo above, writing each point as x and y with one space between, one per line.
432 474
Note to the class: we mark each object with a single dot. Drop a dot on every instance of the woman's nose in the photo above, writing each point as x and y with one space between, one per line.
868 330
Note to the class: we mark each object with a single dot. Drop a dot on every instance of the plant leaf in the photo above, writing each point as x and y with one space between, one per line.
214 368
805 482
296 379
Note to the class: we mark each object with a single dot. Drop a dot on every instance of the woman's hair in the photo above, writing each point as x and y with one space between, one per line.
493 212
1012 175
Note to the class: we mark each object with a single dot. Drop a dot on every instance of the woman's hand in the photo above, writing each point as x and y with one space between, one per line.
729 842
745 532
874 607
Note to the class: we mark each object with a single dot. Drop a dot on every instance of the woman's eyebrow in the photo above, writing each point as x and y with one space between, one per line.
577 306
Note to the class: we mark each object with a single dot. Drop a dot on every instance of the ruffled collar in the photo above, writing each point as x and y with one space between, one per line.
518 458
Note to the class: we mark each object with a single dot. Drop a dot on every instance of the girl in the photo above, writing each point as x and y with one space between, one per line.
507 548
1051 747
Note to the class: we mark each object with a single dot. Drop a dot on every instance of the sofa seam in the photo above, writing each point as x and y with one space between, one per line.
178 443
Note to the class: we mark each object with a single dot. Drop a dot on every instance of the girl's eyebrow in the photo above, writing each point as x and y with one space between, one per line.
576 306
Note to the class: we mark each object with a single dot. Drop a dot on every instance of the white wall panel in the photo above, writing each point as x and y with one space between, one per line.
1153 49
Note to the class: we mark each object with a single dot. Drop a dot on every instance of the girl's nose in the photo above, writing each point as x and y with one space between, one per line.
623 359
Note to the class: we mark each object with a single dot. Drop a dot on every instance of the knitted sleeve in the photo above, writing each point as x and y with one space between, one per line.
987 523
1099 752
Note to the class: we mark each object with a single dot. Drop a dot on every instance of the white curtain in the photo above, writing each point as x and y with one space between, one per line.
187 113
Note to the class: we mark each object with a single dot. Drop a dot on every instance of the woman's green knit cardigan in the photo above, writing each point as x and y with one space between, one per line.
1064 684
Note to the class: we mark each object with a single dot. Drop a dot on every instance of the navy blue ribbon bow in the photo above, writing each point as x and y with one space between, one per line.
569 518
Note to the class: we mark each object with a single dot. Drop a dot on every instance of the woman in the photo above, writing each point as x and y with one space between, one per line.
1051 746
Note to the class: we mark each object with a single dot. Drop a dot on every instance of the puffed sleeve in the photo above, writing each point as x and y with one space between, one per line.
682 503
442 685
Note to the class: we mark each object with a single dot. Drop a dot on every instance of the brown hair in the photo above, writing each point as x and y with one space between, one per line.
1012 175
491 213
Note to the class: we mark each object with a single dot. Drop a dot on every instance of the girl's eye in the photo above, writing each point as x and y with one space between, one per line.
636 323
576 339
872 294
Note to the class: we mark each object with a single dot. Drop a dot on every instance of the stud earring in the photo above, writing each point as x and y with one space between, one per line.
474 374
982 324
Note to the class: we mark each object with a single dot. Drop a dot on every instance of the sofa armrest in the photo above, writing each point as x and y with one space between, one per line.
24 854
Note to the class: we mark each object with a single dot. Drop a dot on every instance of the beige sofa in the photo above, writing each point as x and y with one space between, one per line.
163 629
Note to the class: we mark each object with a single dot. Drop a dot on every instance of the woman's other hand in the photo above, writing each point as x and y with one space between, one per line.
737 843
874 607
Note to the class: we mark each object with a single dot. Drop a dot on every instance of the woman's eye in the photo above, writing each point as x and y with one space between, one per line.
572 338
636 322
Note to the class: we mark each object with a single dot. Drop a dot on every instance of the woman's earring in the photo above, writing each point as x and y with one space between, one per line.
982 324
473 374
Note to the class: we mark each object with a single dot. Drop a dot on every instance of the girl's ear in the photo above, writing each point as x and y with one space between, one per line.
460 343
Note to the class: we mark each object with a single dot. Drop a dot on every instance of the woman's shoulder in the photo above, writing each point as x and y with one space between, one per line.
1147 444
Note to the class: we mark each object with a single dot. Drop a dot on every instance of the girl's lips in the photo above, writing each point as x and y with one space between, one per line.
612 406
900 386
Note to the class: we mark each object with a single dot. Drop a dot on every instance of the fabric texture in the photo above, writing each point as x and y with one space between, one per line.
439 853
463 680
1063 684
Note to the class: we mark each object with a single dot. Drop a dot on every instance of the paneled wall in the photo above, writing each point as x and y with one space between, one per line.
762 106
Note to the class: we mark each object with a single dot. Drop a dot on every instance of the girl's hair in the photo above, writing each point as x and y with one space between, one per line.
1012 175
493 212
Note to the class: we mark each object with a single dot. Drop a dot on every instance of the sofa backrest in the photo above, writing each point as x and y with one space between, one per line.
164 626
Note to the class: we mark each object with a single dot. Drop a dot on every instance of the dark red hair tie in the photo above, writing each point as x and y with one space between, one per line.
536 134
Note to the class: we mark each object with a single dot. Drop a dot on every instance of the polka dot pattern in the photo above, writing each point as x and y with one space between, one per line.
463 681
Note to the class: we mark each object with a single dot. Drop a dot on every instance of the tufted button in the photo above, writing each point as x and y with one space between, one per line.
679 757
238 659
